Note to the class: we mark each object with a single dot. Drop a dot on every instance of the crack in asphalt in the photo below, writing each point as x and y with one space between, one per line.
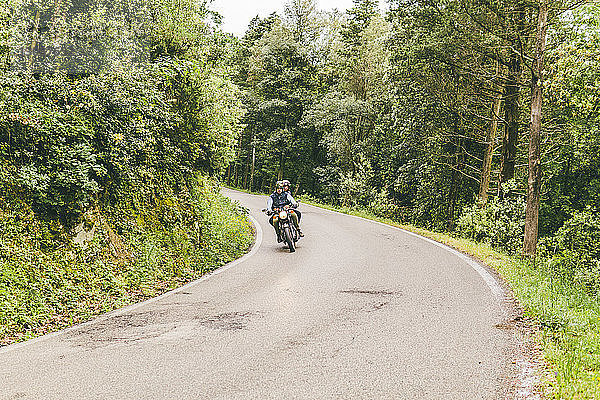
372 292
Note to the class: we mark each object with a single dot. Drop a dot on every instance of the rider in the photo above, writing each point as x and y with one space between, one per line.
286 188
281 199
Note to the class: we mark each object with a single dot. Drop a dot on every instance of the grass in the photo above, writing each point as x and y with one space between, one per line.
568 317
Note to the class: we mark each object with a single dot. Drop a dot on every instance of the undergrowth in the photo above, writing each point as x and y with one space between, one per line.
135 251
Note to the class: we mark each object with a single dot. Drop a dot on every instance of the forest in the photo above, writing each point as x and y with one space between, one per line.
473 117
119 121
476 119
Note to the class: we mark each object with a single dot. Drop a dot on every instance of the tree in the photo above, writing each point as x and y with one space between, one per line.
302 20
280 83
486 169
534 179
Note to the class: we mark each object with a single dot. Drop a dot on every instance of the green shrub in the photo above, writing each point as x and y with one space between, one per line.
115 153
500 223
574 251
73 141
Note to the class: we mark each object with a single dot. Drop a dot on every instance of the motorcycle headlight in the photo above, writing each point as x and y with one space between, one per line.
282 214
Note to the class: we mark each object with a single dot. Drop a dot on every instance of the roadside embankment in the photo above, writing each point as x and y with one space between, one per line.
150 242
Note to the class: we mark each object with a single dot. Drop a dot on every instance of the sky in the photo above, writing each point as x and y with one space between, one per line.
238 13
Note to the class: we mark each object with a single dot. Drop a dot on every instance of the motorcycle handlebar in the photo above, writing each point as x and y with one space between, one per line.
271 212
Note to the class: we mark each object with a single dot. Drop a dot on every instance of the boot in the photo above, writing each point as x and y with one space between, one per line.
296 223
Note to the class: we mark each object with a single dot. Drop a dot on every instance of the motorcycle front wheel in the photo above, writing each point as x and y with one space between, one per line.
289 239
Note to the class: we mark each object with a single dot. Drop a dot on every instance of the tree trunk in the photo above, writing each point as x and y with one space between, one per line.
281 162
246 172
512 95
252 168
511 117
452 200
456 172
235 174
34 41
486 169
534 179
249 161
237 160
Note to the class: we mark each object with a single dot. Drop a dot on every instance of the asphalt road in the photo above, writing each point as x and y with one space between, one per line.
360 311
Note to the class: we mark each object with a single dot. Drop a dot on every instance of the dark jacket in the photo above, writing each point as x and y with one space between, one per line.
279 200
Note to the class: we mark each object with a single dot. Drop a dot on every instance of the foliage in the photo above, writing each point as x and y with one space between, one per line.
104 198
74 142
49 282
574 251
279 82
397 124
109 124
354 188
499 223
572 175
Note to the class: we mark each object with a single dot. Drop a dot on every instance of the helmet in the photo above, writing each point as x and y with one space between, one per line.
285 182
279 184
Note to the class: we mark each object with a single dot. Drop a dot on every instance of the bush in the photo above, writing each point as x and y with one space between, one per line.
500 223
73 141
574 251
103 198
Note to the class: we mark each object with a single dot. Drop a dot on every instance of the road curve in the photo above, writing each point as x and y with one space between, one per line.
360 311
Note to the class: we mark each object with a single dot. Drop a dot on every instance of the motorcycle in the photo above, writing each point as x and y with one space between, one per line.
287 230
